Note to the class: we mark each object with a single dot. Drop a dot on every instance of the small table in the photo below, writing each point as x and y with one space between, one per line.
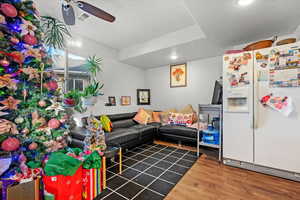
111 152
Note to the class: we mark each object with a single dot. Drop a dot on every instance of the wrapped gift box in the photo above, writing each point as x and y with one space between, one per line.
29 190
92 183
63 187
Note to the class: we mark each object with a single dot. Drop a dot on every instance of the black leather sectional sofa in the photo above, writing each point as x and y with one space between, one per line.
127 133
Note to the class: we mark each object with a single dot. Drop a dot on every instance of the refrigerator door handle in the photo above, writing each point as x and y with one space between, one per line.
254 116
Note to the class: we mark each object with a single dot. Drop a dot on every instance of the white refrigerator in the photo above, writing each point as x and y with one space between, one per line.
261 119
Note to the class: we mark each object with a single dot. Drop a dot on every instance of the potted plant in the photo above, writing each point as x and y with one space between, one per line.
92 91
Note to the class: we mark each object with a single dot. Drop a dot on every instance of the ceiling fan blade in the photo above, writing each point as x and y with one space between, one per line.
68 14
95 11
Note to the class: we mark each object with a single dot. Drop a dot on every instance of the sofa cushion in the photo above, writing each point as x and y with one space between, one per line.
117 117
122 135
126 123
145 129
188 109
142 117
180 119
179 130
156 117
164 116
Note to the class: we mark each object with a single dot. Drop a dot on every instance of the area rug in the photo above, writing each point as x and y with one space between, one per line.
149 173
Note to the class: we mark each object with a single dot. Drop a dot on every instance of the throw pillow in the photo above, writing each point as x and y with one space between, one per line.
149 112
188 109
180 119
142 117
156 116
164 116
106 123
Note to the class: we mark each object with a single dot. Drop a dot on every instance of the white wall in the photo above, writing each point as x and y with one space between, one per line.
119 79
200 83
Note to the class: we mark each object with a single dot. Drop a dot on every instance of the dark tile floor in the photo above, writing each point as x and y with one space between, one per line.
149 173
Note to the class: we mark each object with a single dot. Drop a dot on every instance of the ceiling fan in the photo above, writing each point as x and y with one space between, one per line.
69 14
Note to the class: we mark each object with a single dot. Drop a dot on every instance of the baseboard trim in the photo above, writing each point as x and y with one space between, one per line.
262 169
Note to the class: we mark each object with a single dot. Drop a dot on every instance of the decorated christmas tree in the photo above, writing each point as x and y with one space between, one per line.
32 118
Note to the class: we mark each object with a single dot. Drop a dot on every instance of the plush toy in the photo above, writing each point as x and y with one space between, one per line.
106 123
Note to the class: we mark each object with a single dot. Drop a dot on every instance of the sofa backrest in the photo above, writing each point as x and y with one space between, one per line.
123 120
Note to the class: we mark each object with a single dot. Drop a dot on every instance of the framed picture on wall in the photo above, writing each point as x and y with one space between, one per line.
143 97
178 75
125 100
112 100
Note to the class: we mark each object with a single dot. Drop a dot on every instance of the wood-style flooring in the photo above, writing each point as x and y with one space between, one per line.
209 180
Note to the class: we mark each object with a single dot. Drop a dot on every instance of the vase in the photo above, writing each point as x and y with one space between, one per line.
89 101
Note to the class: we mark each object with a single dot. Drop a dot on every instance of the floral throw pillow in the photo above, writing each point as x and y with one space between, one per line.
180 119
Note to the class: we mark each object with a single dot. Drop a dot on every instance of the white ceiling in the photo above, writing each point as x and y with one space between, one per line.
147 32
137 21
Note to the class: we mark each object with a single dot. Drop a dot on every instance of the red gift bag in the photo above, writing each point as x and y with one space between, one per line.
64 187
92 183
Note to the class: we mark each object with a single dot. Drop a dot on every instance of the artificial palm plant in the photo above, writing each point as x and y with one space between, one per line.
55 32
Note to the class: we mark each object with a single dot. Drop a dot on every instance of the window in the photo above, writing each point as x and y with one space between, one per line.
75 84
76 81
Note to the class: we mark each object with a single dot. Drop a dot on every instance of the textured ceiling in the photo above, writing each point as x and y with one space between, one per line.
147 32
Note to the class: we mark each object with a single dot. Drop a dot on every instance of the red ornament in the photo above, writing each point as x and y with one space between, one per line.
4 62
33 146
10 144
9 10
54 123
69 102
30 39
51 85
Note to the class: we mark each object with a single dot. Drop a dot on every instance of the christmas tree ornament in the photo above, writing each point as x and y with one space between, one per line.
27 28
4 62
33 73
31 52
19 120
56 107
1 70
25 131
17 57
51 85
8 10
2 19
42 103
24 93
53 123
10 144
6 81
30 39
33 146
10 103
14 40
3 113
37 120
8 127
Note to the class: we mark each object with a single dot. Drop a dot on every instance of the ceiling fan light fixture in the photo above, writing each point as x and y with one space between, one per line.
83 17
245 2
174 57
